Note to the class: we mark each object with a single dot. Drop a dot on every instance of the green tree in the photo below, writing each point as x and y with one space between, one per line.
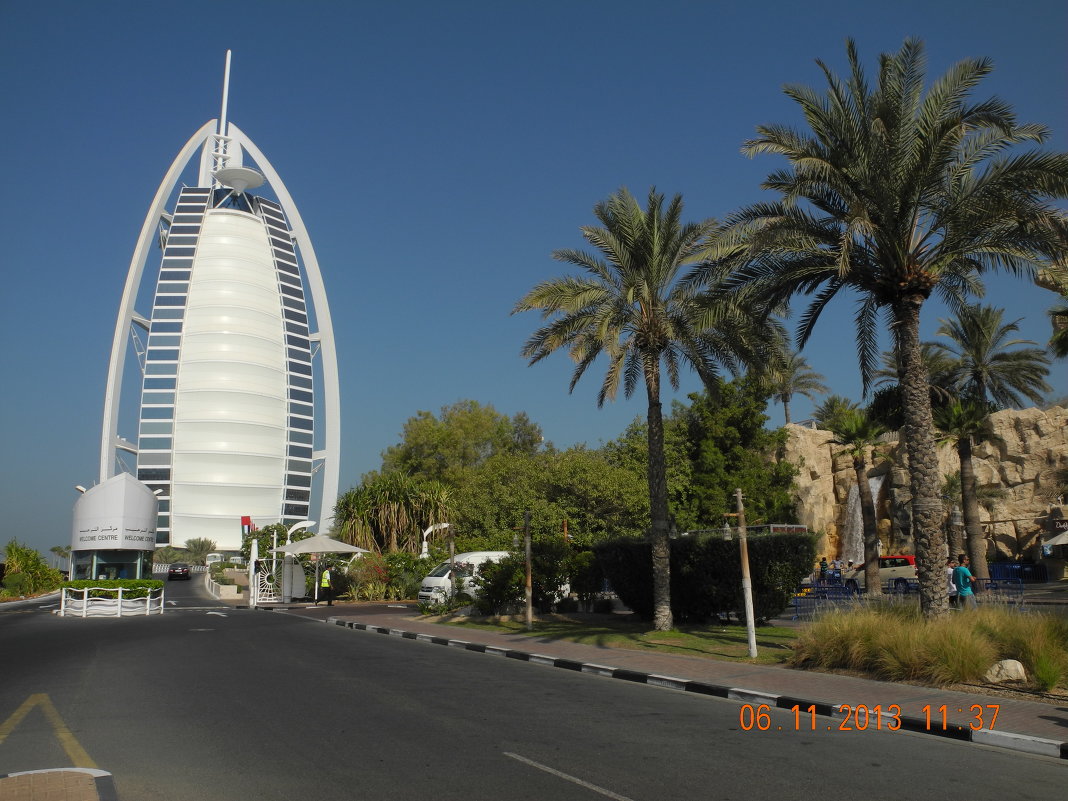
728 447
463 436
198 550
831 410
894 193
965 423
858 435
988 366
637 308
793 376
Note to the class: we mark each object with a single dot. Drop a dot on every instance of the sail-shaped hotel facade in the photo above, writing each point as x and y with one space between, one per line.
239 402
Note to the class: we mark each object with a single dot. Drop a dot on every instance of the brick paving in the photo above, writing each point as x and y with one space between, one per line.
54 785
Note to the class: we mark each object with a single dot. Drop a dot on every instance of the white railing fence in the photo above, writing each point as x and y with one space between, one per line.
75 601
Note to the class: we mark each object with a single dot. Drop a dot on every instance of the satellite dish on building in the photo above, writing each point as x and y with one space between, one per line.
239 178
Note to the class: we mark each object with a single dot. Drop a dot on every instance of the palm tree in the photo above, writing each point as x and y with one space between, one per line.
793 376
967 422
198 550
988 365
634 307
352 518
858 434
894 194
834 407
1058 341
940 366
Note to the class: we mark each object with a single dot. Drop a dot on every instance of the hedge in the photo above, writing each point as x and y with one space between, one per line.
706 574
139 588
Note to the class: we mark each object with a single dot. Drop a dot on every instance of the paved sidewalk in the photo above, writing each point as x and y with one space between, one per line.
1029 726
62 784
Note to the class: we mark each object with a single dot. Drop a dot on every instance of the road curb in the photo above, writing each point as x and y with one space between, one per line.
1000 739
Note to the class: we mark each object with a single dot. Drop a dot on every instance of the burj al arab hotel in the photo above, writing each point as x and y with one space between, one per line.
239 395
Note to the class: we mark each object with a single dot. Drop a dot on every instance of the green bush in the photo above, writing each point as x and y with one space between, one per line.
502 585
132 588
35 574
706 574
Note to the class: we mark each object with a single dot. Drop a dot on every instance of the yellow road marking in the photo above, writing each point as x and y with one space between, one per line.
78 756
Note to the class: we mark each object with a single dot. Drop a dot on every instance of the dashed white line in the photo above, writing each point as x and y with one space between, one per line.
568 777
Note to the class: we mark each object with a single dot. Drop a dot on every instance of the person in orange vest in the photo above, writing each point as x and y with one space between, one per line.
326 587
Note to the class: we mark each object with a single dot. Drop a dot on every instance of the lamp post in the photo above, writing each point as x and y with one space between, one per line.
425 552
297 527
747 582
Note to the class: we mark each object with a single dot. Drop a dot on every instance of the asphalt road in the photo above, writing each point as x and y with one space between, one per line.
206 702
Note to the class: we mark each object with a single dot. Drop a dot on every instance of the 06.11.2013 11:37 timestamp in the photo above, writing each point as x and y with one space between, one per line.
875 718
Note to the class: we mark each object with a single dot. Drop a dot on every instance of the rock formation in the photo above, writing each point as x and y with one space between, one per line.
1026 450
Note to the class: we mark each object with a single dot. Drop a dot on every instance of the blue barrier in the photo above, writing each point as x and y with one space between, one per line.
1021 571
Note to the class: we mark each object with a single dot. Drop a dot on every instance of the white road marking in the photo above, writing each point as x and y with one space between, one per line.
566 777
220 614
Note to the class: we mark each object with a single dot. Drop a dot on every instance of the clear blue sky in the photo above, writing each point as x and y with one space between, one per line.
438 152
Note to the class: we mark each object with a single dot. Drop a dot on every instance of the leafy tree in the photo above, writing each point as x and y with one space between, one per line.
198 550
894 193
464 436
728 447
858 435
967 422
635 307
987 365
793 376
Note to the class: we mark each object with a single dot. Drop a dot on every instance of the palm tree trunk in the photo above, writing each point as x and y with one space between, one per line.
924 476
658 506
871 529
970 511
786 408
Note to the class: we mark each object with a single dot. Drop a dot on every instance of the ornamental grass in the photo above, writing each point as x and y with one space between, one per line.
892 641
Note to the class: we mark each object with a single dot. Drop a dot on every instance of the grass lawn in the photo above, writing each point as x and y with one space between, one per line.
774 644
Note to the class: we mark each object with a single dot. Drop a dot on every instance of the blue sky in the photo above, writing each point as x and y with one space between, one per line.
438 152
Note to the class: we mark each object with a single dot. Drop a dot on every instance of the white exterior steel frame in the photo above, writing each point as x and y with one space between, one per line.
212 138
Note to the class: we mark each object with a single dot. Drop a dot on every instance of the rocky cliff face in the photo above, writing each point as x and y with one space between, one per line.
1021 459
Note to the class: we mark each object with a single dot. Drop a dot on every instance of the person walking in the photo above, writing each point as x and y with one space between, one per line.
951 587
326 587
965 582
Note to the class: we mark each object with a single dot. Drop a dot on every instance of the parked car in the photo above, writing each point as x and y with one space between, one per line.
438 585
897 570
179 570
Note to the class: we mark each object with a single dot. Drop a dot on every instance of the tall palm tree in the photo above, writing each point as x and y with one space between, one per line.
988 365
635 306
858 435
893 194
793 376
966 423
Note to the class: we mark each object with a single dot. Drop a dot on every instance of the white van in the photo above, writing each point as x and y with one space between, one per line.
437 586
